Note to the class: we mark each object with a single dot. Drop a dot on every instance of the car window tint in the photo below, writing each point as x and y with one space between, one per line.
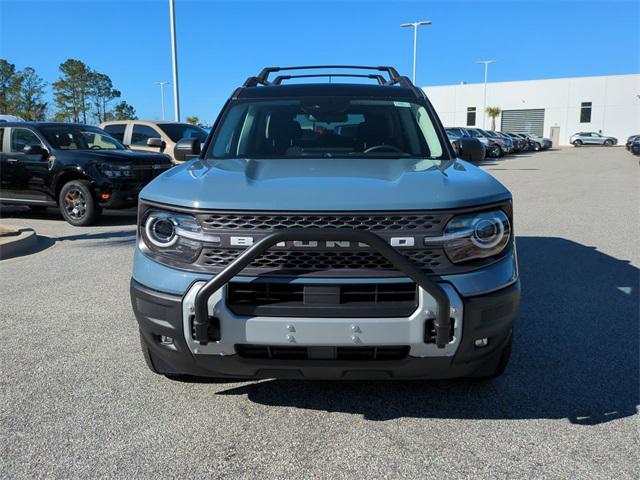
321 127
21 138
116 131
142 133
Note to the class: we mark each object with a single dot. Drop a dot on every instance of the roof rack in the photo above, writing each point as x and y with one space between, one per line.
263 77
379 78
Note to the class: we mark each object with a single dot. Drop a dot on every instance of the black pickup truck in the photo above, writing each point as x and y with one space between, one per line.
79 168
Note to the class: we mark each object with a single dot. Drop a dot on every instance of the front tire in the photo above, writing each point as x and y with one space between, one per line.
77 204
537 147
608 143
494 151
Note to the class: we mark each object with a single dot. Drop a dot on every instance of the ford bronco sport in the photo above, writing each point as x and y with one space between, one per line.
78 168
326 230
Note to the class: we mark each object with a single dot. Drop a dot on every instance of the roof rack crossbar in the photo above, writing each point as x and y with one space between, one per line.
263 77
379 78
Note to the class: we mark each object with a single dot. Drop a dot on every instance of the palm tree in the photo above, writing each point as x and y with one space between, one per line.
493 112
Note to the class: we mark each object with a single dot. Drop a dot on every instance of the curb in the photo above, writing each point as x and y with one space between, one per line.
15 245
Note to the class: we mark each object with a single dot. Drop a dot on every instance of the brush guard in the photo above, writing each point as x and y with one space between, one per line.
441 323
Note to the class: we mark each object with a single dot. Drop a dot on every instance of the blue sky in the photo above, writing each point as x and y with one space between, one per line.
220 43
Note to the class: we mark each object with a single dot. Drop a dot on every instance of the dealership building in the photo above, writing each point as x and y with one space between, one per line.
555 108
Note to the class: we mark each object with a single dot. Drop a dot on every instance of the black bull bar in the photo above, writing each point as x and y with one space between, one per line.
399 261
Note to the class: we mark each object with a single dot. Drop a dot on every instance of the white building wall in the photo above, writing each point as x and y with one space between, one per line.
615 103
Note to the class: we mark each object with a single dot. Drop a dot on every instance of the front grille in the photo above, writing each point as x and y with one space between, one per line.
322 300
302 261
375 223
275 352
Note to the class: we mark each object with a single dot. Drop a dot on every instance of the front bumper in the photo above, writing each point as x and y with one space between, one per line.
118 194
488 316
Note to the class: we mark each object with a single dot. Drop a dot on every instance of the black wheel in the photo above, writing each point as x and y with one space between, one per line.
537 147
608 143
577 143
495 370
77 204
494 151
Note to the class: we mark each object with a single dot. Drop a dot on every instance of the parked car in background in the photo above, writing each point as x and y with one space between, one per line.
592 138
494 146
467 147
516 146
78 168
539 143
631 140
505 142
151 136
634 147
521 143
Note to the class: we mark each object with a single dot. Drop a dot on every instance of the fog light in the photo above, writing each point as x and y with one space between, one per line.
164 340
105 196
481 342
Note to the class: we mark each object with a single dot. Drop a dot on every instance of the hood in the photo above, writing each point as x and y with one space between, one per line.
141 158
324 185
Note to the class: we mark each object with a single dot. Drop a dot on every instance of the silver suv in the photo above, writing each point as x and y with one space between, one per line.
592 138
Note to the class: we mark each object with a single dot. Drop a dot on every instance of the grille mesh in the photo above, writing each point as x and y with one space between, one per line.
408 222
427 260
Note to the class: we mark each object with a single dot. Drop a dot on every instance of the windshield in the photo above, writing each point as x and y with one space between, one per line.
178 131
326 127
79 137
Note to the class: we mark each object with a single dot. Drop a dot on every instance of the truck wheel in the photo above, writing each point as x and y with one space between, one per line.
498 369
77 204
577 143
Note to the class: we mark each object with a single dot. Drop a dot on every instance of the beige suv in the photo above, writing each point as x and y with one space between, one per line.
154 136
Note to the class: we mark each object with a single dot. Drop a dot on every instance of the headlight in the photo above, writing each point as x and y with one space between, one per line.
172 236
116 171
475 236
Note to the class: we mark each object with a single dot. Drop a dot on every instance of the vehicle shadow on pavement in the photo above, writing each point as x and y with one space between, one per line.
575 356
108 217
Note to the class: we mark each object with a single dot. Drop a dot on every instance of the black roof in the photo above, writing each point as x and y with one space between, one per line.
326 89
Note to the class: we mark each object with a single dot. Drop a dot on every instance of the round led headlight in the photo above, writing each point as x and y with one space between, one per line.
161 229
487 232
476 235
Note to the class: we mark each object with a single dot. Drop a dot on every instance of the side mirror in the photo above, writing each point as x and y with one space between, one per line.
35 150
186 149
155 142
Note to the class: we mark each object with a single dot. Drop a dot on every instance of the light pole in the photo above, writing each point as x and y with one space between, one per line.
486 76
174 59
162 84
415 26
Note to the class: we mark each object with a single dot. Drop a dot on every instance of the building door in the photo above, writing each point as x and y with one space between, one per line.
523 121
555 136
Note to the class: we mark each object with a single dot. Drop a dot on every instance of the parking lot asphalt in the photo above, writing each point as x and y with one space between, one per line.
77 401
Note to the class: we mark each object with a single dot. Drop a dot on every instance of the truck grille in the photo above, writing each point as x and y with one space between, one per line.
322 261
394 222
300 261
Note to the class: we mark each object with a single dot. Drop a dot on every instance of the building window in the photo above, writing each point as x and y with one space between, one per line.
471 116
585 112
